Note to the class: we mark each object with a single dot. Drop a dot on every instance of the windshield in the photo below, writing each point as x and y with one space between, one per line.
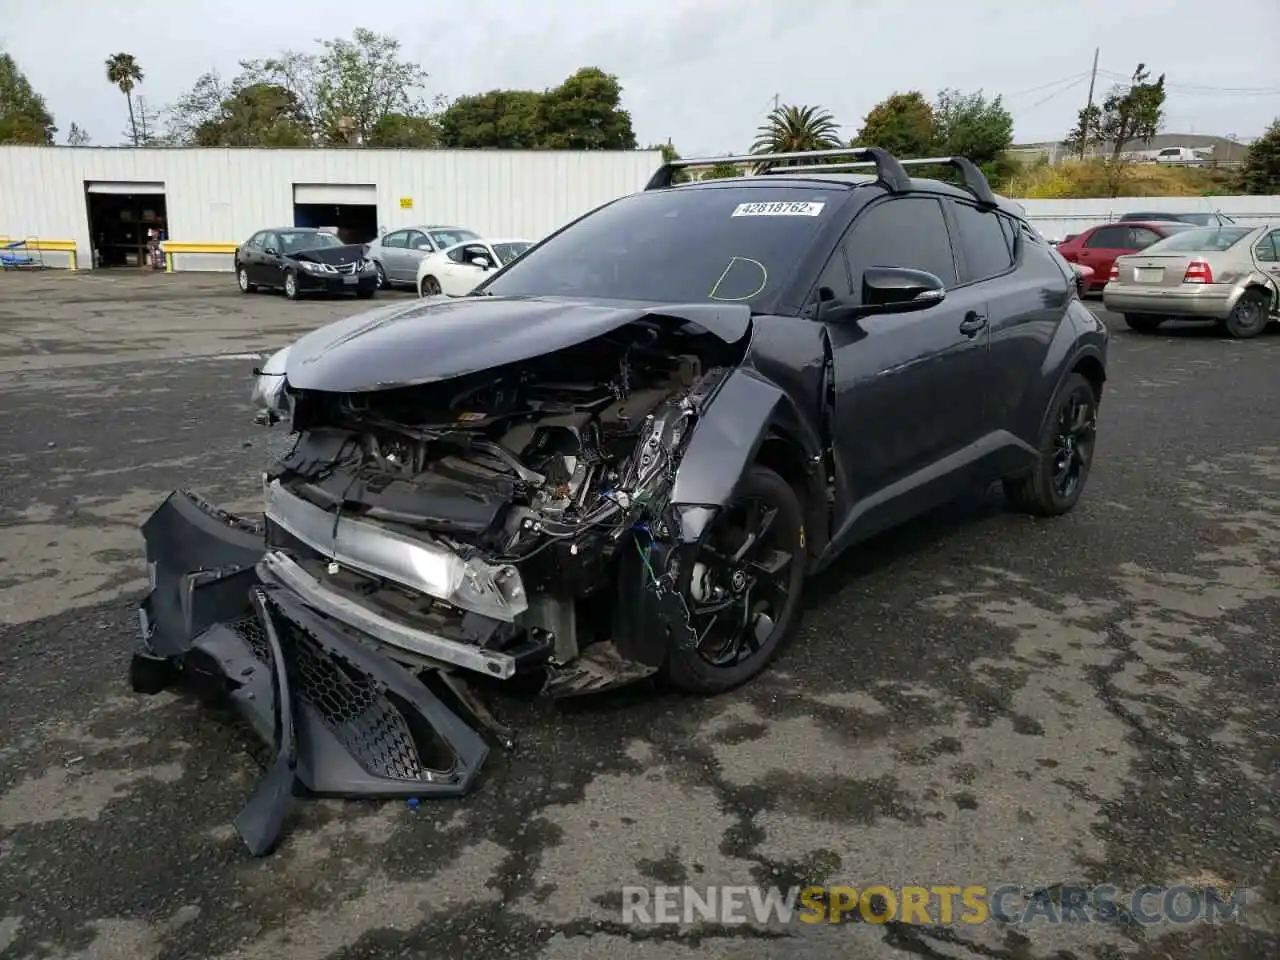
509 251
307 240
1203 238
448 238
733 244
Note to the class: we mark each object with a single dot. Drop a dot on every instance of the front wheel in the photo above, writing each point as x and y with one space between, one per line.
742 587
291 285
430 287
1055 483
1143 322
1249 316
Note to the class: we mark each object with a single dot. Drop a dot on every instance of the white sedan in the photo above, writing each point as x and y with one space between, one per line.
457 270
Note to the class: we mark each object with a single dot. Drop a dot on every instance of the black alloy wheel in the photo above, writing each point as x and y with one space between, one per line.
742 588
1249 316
1067 443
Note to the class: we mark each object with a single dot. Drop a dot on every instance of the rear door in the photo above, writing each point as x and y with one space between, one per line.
393 254
909 387
1101 248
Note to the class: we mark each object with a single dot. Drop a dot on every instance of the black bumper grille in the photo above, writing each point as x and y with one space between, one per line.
364 718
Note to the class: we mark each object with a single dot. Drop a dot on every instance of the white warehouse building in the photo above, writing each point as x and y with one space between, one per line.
90 206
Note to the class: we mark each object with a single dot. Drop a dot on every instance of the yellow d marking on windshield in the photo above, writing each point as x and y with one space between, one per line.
764 280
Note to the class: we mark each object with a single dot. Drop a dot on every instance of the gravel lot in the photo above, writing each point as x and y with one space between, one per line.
979 698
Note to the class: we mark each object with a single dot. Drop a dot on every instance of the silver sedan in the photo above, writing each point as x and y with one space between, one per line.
396 254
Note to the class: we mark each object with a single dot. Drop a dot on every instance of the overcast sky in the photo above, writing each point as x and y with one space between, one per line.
700 72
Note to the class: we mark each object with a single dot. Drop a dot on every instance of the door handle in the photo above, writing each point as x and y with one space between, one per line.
972 323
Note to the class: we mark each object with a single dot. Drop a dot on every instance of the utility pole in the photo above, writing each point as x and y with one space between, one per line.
1088 107
775 101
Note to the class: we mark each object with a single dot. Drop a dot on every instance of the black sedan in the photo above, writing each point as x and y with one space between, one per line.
300 261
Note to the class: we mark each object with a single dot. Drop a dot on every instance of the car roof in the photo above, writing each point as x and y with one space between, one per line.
847 181
1160 224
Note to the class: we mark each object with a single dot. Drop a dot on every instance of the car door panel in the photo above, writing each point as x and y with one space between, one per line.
266 263
908 387
416 247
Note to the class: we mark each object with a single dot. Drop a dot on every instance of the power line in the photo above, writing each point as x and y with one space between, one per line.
1045 86
1057 93
1199 88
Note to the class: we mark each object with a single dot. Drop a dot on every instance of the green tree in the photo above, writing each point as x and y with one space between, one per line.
668 155
258 115
793 129
902 123
363 81
24 118
585 113
124 72
722 171
1261 171
1132 112
970 125
1087 132
497 119
400 131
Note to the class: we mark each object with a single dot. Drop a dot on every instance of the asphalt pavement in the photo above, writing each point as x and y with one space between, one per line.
979 698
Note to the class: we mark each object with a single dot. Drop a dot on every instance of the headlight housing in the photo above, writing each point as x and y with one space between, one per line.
269 397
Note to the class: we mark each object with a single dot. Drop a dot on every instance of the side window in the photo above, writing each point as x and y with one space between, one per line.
416 239
255 242
1268 248
982 241
1108 238
394 239
473 250
908 232
1141 238
835 276
457 254
1010 235
271 241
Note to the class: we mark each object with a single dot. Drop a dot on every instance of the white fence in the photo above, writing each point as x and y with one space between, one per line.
1057 218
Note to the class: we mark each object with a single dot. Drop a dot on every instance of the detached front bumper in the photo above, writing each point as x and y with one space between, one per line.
343 719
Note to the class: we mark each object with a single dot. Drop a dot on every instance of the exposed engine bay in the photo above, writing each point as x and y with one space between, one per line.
526 480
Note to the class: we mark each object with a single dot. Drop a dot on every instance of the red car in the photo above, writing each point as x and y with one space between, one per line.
1098 247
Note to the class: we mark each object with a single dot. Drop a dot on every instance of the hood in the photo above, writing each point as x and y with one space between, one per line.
349 253
438 339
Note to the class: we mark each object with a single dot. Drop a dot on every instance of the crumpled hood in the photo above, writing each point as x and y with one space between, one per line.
438 339
349 253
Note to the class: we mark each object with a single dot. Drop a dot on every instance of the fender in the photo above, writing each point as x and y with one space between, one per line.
1082 336
746 411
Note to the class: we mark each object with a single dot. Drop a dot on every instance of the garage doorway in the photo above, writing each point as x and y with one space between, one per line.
349 209
126 220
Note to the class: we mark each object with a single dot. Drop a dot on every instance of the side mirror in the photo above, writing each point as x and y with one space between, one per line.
271 252
423 246
899 290
482 262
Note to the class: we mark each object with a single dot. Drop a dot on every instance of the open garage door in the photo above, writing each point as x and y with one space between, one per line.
350 209
127 219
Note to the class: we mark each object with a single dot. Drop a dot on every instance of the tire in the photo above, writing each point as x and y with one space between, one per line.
1143 322
383 283
1249 316
366 294
1039 491
699 670
242 277
291 285
430 287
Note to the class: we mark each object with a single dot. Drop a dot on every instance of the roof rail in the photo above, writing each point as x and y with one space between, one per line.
888 168
973 178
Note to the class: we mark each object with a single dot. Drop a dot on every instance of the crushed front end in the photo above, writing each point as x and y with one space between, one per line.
509 523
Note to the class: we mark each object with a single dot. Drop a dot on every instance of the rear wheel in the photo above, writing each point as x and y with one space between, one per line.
430 287
242 276
382 275
291 285
1143 322
1056 482
742 588
1249 316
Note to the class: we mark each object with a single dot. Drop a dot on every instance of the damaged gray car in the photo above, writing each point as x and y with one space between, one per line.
619 457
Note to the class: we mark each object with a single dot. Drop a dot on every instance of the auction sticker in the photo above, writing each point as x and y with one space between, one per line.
802 208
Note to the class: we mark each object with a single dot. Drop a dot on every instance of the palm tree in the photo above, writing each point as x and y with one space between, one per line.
124 72
798 128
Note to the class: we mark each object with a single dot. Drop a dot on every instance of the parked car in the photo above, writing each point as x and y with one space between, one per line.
300 261
1184 156
1211 219
1230 275
1098 247
457 270
621 457
396 255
